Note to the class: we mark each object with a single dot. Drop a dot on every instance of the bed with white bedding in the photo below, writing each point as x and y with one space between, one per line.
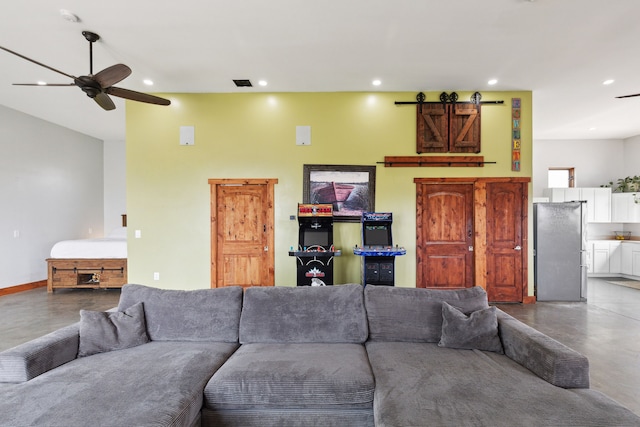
89 263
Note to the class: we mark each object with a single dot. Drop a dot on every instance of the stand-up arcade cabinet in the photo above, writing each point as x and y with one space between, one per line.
314 257
377 250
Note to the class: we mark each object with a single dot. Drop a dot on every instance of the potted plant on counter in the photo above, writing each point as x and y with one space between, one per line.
629 184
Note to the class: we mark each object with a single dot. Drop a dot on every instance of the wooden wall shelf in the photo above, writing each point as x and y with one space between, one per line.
434 161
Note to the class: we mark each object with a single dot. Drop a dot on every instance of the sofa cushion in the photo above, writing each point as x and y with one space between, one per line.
422 384
477 331
415 314
198 315
117 330
155 384
327 314
293 376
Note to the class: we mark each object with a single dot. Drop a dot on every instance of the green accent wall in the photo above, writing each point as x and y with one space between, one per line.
253 136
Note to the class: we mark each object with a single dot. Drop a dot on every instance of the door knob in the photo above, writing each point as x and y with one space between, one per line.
518 248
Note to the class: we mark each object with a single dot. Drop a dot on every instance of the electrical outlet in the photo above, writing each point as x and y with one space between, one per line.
16 233
156 276
138 234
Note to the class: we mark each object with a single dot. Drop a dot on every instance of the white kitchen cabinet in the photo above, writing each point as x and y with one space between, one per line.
624 208
600 254
598 200
635 262
604 256
615 257
630 264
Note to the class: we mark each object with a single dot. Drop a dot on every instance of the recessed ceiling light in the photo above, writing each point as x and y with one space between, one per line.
68 16
492 82
608 82
148 82
262 82
41 83
376 82
592 129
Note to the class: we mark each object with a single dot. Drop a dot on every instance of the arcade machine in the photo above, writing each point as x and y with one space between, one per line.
314 257
377 250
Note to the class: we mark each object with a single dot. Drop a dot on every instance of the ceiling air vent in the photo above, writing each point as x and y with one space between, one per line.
243 83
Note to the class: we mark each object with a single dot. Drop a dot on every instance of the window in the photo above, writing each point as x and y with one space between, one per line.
561 177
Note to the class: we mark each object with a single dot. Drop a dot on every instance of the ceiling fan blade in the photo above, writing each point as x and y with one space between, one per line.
112 75
45 84
104 101
37 63
628 96
136 96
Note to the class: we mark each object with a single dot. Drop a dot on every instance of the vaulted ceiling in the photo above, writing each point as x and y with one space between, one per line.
562 50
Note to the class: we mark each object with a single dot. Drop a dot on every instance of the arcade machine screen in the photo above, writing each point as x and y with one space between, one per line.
377 235
315 238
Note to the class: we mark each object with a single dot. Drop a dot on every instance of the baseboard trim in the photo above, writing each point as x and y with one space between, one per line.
529 300
22 288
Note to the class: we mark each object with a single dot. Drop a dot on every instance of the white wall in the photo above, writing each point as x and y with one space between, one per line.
115 185
596 162
632 156
51 189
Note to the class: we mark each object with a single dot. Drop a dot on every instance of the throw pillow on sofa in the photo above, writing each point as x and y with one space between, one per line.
478 330
107 331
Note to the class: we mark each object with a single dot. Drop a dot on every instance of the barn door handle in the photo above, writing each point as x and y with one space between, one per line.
517 248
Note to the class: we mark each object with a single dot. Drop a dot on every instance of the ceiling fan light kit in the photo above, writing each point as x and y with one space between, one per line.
100 85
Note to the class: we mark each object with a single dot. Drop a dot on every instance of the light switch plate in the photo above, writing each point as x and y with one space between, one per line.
303 135
187 135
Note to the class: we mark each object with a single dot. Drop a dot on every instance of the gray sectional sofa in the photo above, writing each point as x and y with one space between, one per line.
304 356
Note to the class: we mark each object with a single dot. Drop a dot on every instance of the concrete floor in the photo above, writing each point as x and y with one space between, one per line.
606 329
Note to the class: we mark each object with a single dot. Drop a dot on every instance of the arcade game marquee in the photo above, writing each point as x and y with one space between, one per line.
377 250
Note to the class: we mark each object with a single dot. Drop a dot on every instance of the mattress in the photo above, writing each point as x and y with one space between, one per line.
112 246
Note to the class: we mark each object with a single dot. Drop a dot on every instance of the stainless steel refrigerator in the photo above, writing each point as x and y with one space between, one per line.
559 245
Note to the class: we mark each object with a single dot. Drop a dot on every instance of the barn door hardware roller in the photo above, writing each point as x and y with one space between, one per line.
449 98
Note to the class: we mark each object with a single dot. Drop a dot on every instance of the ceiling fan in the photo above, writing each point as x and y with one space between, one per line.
100 85
628 96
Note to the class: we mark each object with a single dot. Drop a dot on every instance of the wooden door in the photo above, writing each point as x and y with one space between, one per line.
444 235
242 240
505 241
